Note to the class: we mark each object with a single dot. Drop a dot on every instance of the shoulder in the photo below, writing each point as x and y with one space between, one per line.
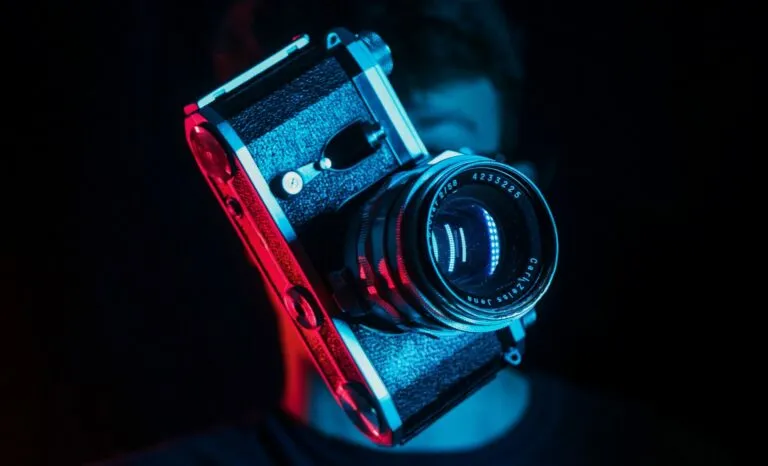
225 445
622 431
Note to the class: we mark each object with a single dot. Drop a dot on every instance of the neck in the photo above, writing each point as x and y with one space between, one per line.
480 419
486 415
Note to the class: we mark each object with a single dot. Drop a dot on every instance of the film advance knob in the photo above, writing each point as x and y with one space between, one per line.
210 154
379 49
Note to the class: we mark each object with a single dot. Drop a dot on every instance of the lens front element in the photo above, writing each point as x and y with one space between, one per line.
485 239
466 244
480 239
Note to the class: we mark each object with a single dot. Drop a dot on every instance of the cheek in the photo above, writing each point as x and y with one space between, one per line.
488 135
448 136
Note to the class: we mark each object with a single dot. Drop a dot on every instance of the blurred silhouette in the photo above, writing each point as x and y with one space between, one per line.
458 70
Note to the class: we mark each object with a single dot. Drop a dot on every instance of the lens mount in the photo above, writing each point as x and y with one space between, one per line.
465 243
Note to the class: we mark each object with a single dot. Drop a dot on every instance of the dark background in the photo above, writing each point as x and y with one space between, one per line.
646 105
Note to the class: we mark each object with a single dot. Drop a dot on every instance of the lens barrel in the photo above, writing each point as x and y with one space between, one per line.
465 243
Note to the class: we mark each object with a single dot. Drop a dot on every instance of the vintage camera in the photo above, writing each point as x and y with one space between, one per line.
410 278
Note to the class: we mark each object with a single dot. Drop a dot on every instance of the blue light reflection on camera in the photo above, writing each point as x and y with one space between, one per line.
451 248
252 171
383 396
378 94
251 73
493 238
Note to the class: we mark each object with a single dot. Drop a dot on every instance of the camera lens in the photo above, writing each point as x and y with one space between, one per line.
485 240
466 243
479 240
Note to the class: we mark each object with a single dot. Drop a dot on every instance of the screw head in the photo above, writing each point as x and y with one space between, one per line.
325 163
292 183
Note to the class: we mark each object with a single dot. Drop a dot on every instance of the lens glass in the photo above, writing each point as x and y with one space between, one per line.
484 238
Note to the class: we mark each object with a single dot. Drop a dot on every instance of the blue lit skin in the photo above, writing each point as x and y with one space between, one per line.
456 115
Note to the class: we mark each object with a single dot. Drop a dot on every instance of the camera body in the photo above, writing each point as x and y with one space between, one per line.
312 157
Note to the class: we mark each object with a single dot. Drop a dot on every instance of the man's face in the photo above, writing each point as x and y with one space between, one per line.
457 115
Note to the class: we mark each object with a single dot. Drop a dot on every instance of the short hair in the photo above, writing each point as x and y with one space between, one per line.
438 41
432 41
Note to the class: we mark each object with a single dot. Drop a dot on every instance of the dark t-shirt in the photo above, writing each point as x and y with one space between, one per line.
563 425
